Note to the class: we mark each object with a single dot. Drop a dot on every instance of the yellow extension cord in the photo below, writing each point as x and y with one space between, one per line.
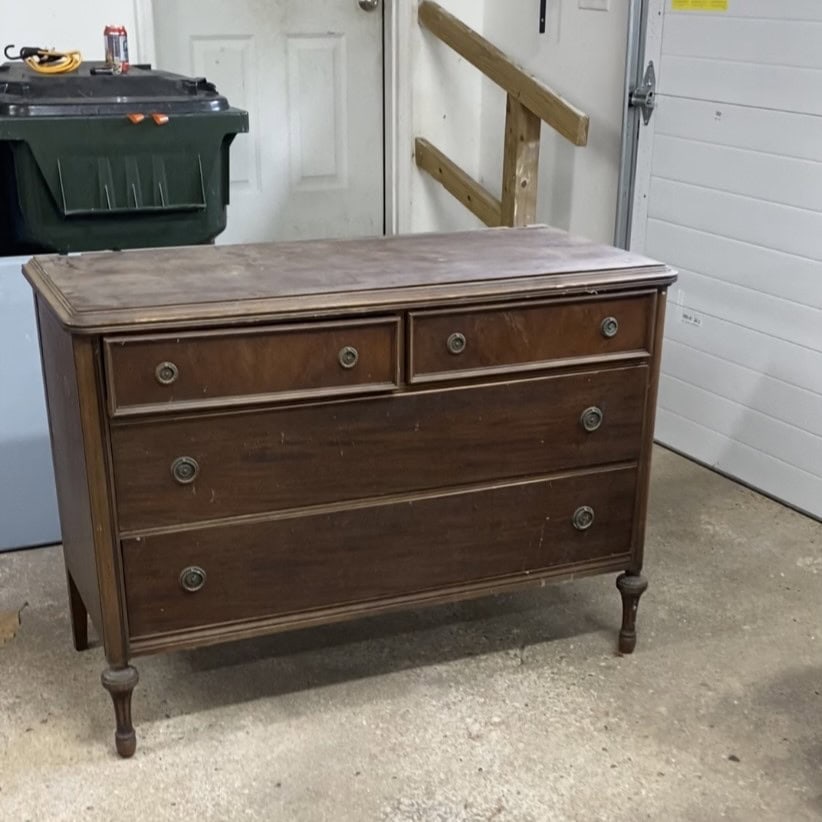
55 62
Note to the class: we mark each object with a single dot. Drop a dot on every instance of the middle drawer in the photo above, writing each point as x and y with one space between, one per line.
205 467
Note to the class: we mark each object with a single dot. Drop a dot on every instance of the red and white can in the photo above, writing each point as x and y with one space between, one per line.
115 39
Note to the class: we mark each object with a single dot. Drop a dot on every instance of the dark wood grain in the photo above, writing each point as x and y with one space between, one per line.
68 456
90 393
454 476
299 563
251 366
197 285
292 457
648 423
79 615
526 336
205 635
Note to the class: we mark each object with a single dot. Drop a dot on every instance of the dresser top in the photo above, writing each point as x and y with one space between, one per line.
207 285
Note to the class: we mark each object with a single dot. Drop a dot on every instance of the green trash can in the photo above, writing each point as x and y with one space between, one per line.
92 161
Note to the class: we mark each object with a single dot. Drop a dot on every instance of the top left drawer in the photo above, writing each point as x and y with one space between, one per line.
173 372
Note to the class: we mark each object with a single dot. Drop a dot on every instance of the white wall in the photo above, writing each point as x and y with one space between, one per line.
584 60
450 103
71 24
446 101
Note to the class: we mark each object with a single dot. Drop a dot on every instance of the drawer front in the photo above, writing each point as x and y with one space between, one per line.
304 563
175 371
257 462
452 344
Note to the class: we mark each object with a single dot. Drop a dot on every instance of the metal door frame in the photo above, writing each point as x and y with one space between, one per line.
631 119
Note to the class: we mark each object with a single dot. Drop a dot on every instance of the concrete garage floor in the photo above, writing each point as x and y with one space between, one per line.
515 708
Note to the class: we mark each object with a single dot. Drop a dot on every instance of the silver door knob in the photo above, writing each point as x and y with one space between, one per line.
369 5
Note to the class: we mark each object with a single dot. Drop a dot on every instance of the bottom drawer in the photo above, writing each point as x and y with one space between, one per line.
308 562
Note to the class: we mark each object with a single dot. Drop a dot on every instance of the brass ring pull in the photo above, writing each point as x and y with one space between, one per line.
456 343
348 356
591 418
609 327
166 373
192 579
583 518
185 470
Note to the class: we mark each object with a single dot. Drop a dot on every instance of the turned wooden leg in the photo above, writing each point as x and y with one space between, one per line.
120 682
79 616
632 587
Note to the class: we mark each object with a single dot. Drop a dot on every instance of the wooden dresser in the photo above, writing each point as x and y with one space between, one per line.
249 439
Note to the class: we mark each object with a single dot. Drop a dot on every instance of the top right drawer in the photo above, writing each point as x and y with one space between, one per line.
456 343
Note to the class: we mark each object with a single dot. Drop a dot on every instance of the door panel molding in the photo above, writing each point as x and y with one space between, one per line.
143 50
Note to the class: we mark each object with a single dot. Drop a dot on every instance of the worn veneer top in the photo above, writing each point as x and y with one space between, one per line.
207 285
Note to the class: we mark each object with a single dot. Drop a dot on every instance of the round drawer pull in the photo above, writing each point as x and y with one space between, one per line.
192 578
185 470
583 518
610 326
166 373
348 356
456 343
591 418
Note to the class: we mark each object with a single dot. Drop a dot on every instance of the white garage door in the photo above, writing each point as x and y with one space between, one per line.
729 191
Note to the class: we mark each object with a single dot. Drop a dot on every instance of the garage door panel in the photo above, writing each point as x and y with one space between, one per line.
763 176
783 228
755 468
798 279
753 39
793 364
783 88
737 420
781 400
770 316
809 10
778 132
729 192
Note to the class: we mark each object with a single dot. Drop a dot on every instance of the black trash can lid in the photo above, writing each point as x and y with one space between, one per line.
24 93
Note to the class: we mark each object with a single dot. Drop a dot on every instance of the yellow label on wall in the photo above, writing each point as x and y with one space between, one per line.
699 5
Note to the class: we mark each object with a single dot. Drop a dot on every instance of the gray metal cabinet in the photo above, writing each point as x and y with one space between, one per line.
28 504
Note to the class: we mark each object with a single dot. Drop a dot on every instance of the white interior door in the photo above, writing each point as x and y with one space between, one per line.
310 74
729 191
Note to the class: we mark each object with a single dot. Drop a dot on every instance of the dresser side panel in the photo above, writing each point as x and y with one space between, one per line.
644 482
88 364
65 428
